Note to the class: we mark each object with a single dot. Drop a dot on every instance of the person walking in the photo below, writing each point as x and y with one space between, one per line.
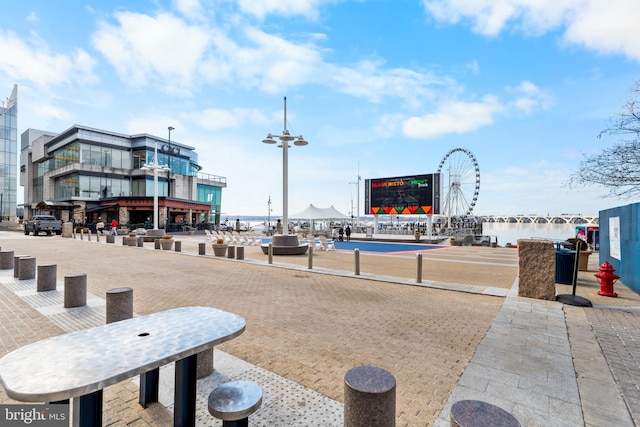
114 227
347 231
340 234
100 227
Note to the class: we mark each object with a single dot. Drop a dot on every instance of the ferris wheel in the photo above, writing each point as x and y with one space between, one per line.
460 175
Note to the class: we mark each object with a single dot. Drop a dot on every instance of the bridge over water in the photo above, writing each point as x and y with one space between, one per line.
543 219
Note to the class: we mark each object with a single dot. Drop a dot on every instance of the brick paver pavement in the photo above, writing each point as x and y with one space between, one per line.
306 327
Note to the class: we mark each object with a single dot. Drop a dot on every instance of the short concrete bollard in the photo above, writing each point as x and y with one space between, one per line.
27 269
82 234
98 236
156 243
419 267
369 397
119 304
47 274
471 413
310 260
270 253
178 245
231 252
141 242
75 290
240 252
89 235
205 363
6 260
356 254
124 241
202 248
16 265
111 238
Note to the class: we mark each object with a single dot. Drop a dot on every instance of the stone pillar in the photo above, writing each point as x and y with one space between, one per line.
67 229
205 363
369 397
202 248
16 265
231 252
75 290
537 266
27 269
178 245
240 252
119 304
47 274
6 260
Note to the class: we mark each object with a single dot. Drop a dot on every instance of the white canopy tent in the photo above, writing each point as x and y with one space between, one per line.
313 213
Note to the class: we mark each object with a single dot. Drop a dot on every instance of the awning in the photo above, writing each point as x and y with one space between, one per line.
101 207
46 204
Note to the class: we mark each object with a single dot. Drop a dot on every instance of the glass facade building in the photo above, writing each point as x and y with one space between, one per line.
9 156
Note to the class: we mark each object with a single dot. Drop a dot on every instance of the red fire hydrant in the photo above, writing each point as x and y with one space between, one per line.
607 279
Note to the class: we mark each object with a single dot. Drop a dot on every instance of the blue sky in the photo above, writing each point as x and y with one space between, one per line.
384 86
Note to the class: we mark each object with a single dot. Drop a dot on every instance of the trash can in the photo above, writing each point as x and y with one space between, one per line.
565 264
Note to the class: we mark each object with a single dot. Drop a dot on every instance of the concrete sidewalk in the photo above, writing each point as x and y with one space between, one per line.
546 363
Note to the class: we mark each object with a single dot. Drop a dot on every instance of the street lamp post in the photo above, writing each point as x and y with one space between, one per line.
285 138
169 162
154 166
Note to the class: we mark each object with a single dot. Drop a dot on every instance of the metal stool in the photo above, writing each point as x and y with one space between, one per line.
233 402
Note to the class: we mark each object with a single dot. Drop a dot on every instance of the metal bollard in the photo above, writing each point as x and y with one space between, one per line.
89 235
74 232
310 258
98 236
369 397
356 253
270 253
419 267
82 234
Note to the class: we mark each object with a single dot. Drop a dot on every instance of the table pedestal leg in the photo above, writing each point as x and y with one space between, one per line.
149 384
90 409
184 410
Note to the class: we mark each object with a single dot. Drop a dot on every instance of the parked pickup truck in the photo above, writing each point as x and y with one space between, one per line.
47 223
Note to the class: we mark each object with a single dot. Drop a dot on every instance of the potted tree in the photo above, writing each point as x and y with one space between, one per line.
219 247
131 239
166 242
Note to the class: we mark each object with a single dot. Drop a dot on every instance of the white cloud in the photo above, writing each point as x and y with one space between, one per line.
32 17
605 26
529 97
31 60
453 117
145 49
261 8
214 118
47 111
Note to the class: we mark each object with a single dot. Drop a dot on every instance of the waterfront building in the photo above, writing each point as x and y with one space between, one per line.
9 156
84 175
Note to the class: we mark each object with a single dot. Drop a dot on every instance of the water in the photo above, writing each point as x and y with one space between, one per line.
505 232
511 232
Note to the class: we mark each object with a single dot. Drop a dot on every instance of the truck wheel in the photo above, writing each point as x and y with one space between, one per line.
26 232
59 232
48 233
35 232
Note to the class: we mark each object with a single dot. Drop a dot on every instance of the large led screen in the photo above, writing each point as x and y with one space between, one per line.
407 195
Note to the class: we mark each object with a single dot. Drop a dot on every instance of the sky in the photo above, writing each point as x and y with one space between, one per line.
379 88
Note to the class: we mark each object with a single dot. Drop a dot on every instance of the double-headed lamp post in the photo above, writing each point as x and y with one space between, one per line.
285 138
154 166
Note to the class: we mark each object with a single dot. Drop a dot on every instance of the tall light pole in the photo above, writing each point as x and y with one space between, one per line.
154 166
285 138
169 172
357 183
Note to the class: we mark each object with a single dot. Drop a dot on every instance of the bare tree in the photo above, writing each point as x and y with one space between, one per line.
616 168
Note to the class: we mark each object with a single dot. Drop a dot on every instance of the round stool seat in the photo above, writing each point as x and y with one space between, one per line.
235 400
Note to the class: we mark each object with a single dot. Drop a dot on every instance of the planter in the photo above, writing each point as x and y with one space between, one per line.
166 244
219 249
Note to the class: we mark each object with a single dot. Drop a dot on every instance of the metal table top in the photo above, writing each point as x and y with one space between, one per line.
83 362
